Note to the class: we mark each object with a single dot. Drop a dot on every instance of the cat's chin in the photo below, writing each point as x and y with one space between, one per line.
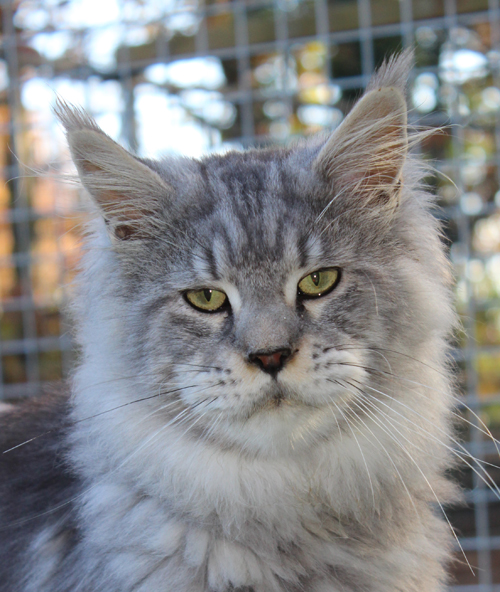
275 398
278 425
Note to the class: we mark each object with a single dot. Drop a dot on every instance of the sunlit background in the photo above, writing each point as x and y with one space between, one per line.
191 77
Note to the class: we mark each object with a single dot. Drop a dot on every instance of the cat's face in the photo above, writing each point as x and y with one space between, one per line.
262 291
271 353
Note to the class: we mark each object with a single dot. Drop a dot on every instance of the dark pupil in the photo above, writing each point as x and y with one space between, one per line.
208 295
315 278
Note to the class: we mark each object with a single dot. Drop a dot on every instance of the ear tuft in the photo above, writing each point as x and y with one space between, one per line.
394 72
74 118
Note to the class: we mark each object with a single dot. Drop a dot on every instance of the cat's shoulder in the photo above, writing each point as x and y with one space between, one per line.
34 470
38 490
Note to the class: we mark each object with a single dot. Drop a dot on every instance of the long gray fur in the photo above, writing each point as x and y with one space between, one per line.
180 466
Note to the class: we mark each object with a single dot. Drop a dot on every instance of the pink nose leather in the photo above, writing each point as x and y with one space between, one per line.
271 360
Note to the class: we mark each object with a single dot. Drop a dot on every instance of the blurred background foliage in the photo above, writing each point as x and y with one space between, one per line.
194 77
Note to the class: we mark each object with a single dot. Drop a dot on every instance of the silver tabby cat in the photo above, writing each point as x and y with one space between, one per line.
262 402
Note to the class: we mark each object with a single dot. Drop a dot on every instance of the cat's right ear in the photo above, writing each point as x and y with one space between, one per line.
126 190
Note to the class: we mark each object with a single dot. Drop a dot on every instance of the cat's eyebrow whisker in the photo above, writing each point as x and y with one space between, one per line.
329 204
332 222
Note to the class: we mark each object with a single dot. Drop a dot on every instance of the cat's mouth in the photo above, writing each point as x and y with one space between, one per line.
276 397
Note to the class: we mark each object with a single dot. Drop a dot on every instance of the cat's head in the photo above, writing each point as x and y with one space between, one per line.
260 292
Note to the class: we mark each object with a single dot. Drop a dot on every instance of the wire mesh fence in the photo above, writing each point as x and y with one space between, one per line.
194 77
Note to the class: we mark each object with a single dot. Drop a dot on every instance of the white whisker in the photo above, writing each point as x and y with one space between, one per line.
404 449
360 450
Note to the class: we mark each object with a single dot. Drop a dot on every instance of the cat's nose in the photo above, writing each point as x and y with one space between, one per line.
271 361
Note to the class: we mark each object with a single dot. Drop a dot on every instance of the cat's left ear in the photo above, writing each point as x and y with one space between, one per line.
365 155
127 191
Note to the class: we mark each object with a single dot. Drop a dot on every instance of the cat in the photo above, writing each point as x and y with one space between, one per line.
263 401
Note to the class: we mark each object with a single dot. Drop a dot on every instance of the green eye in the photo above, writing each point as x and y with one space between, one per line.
319 283
207 299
